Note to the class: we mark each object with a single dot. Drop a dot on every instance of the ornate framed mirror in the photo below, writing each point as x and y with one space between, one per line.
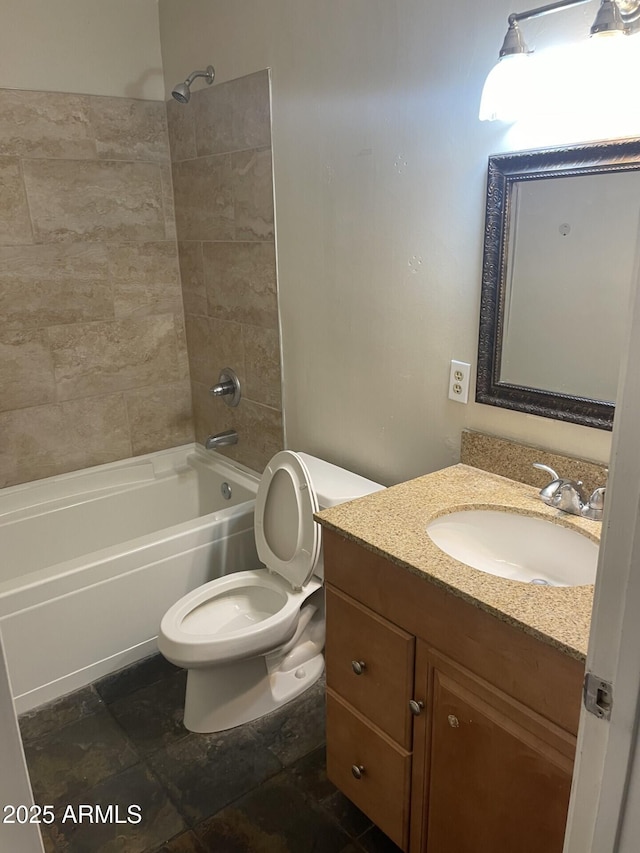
560 250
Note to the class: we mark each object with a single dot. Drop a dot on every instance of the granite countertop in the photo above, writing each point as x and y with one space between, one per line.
392 523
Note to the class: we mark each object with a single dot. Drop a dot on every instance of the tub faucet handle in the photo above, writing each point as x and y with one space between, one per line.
227 387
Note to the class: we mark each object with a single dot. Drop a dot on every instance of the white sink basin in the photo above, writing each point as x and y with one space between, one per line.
520 547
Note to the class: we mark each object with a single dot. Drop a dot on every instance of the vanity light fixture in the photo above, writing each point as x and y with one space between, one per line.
510 82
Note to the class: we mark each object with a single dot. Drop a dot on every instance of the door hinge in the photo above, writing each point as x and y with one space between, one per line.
598 696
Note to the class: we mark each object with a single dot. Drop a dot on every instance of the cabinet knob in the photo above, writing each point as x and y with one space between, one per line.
358 666
454 722
416 707
357 770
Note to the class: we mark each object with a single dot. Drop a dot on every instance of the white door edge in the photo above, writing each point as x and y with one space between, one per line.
604 811
15 787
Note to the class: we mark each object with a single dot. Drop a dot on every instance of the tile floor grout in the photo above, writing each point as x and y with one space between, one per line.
120 742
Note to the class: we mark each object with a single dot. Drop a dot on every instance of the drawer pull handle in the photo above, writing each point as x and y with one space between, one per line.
416 707
357 770
358 666
454 722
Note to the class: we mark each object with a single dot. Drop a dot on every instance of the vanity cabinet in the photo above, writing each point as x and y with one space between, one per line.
371 662
453 730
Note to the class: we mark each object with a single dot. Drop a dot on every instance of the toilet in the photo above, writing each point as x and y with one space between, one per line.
253 640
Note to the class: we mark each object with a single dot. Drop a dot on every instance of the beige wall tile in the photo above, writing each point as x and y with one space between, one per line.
155 261
99 358
210 416
259 428
45 124
182 136
44 285
253 195
260 435
145 278
240 282
262 365
233 116
166 182
160 417
128 129
87 200
93 305
26 370
224 215
140 298
212 345
183 355
194 295
53 439
15 226
203 195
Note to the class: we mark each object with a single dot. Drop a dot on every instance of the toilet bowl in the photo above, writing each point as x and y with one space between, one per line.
253 640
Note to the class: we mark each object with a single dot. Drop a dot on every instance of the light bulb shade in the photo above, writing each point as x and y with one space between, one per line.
506 91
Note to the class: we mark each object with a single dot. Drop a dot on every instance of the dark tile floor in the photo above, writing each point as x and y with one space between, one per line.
120 745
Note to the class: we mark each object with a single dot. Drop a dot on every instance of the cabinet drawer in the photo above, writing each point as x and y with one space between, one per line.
382 791
383 689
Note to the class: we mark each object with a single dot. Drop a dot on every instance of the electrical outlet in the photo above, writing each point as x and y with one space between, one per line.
459 381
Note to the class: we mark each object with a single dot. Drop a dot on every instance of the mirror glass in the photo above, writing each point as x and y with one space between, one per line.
560 251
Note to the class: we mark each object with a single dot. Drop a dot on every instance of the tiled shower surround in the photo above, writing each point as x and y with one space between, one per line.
93 363
93 351
221 161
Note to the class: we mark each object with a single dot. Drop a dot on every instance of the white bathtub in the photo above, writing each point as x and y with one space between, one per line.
90 561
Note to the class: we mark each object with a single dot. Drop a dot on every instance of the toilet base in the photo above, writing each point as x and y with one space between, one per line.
223 697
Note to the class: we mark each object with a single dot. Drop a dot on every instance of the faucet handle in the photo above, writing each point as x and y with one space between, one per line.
556 492
596 501
569 497
548 493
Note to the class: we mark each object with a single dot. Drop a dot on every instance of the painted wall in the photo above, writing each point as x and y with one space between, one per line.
379 170
96 47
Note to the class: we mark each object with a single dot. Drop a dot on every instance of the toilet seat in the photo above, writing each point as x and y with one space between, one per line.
235 616
245 614
287 537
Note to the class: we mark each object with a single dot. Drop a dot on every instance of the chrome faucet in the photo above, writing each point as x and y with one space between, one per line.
221 439
569 496
227 387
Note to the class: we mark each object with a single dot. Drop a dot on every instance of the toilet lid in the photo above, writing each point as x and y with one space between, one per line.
287 537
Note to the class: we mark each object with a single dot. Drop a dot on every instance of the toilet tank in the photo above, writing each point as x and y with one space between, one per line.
334 485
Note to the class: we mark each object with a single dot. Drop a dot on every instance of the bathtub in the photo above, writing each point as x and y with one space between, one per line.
90 561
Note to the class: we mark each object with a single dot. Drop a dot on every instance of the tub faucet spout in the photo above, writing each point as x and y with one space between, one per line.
221 439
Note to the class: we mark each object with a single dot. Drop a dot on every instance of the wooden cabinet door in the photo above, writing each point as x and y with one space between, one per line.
497 776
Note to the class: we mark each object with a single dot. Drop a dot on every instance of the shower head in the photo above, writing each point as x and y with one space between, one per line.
182 92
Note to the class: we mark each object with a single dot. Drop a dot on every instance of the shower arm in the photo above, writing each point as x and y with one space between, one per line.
208 73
